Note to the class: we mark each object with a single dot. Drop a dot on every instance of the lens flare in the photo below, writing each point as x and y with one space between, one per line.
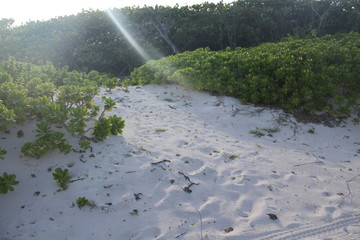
128 36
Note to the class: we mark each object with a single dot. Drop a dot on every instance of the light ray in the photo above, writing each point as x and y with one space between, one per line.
128 36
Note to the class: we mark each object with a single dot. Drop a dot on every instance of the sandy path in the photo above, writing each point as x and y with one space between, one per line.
204 160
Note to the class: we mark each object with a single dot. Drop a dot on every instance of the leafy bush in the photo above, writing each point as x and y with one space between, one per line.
117 125
6 182
46 141
2 152
7 116
102 128
108 125
83 201
56 97
320 74
62 177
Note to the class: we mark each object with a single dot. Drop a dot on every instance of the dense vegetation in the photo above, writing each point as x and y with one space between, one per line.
55 98
320 74
91 40
300 55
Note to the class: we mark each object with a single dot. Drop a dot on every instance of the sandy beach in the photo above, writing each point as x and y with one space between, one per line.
190 165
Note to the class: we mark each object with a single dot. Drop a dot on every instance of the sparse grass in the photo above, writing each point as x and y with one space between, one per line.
260 132
257 133
83 201
231 157
311 130
159 130
143 149
169 100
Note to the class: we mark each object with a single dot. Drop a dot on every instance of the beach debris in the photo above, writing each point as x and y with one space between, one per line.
138 196
272 216
134 212
229 229
20 133
187 188
160 162
181 234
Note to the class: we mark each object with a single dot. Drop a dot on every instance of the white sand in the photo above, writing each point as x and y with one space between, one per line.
311 182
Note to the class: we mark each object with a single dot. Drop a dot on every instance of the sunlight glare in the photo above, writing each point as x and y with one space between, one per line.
128 36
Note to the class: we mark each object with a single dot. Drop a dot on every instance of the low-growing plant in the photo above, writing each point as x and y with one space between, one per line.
6 182
311 130
57 97
85 145
158 130
260 132
2 152
83 201
256 132
46 141
231 157
111 83
117 125
62 177
311 75
37 149
102 128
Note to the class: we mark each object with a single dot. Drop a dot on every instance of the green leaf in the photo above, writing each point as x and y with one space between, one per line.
62 177
6 182
2 152
117 125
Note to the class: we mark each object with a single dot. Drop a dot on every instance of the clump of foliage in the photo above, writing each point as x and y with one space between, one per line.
108 125
6 182
57 97
83 201
62 177
46 141
2 152
318 74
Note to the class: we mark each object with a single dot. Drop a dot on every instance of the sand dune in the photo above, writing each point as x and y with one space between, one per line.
191 166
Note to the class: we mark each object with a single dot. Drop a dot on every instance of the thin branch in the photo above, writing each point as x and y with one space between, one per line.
78 179
316 162
162 161
187 189
348 187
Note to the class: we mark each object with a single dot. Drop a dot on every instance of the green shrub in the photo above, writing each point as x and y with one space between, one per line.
62 177
102 128
83 201
46 141
320 74
6 182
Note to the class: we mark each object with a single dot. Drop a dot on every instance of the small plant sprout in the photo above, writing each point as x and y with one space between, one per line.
257 133
62 177
6 182
311 130
260 132
169 100
159 130
2 153
83 201
143 149
231 157
85 144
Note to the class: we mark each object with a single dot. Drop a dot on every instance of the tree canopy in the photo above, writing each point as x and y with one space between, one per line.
91 40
